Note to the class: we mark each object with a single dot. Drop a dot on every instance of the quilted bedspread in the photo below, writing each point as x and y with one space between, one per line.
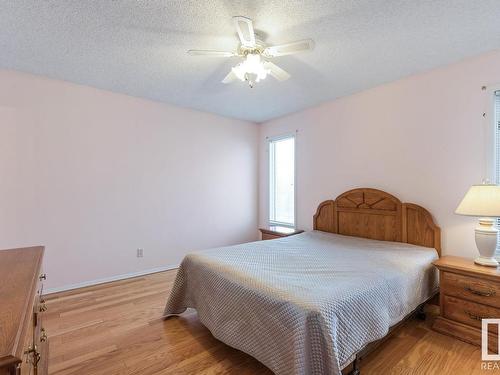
304 304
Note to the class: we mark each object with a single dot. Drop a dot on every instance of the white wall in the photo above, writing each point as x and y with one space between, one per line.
94 175
420 138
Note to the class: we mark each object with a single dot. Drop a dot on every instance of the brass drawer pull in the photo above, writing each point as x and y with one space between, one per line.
488 293
476 316
32 355
43 335
43 276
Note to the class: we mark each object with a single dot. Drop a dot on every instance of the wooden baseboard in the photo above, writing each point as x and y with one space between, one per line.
105 280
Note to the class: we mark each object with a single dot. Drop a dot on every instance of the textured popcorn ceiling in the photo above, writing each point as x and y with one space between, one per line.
139 47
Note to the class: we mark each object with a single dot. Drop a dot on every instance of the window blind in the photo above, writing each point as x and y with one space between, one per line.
496 120
282 181
497 136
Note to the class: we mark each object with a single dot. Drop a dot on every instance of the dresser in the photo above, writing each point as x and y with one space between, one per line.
468 294
23 341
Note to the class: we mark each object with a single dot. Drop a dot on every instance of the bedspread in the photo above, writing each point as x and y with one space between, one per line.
304 304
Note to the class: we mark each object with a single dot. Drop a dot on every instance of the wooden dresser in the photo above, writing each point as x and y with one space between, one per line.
23 341
468 294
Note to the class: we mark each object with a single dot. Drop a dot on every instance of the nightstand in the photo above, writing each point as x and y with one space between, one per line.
468 294
277 232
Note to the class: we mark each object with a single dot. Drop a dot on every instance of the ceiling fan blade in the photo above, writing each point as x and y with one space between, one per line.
205 52
276 71
244 27
289 48
230 77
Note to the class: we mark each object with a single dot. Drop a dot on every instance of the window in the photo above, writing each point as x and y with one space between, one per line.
282 181
496 119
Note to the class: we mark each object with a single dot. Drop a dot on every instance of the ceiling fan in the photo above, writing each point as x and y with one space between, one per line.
255 53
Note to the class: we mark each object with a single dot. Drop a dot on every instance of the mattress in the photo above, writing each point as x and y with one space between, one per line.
304 304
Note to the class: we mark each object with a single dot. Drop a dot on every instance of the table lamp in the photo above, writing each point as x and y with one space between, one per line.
483 201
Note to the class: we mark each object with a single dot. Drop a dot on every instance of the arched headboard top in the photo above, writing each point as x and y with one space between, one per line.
375 214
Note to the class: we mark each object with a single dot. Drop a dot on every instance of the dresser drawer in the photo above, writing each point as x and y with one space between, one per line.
40 338
35 362
473 289
467 312
42 367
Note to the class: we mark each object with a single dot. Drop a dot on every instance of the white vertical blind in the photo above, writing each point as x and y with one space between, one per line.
282 181
496 113
497 136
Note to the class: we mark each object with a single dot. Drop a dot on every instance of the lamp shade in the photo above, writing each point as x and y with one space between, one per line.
481 200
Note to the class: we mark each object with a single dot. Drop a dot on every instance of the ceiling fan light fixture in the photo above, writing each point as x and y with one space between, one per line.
251 48
251 69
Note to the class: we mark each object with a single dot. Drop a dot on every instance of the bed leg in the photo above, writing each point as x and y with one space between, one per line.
355 367
421 313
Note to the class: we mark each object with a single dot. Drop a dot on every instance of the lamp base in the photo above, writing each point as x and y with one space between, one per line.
486 242
483 261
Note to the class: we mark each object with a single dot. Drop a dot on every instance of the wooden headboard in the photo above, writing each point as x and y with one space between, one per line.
375 214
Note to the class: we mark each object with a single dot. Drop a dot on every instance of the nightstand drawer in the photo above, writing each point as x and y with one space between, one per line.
473 289
468 312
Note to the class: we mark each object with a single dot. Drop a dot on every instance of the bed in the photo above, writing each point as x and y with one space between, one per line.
311 303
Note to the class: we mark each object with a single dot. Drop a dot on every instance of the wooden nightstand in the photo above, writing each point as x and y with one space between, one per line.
277 232
468 294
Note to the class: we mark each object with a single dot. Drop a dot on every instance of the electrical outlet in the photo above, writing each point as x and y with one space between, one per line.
140 253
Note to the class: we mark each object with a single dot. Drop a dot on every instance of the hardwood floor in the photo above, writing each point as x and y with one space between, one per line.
116 328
